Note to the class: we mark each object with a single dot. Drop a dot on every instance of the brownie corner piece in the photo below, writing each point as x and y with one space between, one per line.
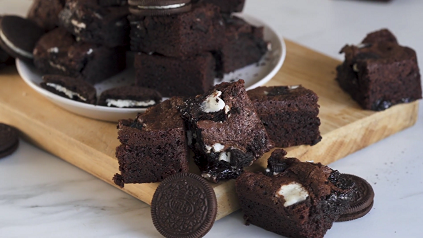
153 146
380 73
224 131
289 114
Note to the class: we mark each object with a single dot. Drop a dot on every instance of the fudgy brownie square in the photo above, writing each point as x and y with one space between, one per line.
180 35
224 131
153 146
379 72
91 22
57 52
46 13
244 45
294 199
175 76
289 114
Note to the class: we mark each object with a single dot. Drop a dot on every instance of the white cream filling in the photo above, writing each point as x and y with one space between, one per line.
129 103
293 87
292 193
213 103
225 156
78 24
355 68
15 48
172 6
67 92
53 50
57 66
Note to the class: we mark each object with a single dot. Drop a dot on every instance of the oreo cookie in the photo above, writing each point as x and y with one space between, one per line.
158 7
9 140
72 88
18 36
130 97
184 205
361 201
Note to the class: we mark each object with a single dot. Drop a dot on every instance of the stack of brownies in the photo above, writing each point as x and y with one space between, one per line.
181 54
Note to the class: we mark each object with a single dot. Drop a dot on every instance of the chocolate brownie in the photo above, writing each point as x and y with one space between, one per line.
289 114
379 72
175 76
18 36
224 131
181 35
153 146
46 13
244 45
93 23
57 52
72 88
112 3
297 199
130 96
226 6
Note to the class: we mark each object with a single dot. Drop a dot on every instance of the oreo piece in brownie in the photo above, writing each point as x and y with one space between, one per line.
129 97
297 199
46 13
226 6
57 52
224 131
71 88
289 114
96 24
18 36
153 146
244 45
379 72
158 8
181 35
175 76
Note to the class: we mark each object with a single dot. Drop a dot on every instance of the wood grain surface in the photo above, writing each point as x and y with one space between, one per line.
90 144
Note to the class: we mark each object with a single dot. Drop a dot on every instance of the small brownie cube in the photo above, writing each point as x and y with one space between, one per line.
379 72
46 13
224 131
244 45
296 199
153 146
181 35
289 114
57 52
90 22
226 6
174 76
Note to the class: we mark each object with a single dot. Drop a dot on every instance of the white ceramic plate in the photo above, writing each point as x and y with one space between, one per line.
254 75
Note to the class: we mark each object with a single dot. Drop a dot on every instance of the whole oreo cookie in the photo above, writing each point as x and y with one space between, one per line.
9 140
158 7
361 201
18 36
184 205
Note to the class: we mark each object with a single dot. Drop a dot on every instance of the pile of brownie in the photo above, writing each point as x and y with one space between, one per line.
178 52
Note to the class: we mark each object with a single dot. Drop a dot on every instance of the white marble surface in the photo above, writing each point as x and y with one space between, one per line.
43 196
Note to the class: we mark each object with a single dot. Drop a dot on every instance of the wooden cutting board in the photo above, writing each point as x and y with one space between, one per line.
90 144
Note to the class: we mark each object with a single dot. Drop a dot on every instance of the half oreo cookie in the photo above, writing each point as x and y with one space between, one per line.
18 36
72 88
9 140
361 201
184 205
158 8
130 97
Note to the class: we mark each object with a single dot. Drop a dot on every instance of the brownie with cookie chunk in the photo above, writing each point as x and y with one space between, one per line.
153 146
93 23
175 76
224 131
180 35
244 45
294 199
289 114
379 72
46 13
129 96
58 52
